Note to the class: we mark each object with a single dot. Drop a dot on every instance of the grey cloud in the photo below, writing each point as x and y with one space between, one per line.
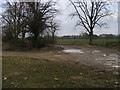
68 25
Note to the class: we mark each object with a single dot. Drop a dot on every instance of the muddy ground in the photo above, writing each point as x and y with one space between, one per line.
95 57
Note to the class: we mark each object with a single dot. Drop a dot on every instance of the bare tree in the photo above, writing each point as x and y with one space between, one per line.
54 27
32 17
13 19
39 15
90 14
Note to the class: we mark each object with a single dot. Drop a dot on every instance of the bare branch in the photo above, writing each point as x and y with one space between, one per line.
90 14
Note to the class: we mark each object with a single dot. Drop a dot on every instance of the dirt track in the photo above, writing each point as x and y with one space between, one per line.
88 58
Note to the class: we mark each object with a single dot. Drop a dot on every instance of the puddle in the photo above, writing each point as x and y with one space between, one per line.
116 66
108 64
96 51
58 55
73 51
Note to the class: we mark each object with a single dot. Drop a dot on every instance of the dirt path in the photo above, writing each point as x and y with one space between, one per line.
95 57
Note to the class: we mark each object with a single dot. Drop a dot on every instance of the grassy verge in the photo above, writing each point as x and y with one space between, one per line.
33 73
97 42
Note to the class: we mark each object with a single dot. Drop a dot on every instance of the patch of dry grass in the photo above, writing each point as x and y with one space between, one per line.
42 73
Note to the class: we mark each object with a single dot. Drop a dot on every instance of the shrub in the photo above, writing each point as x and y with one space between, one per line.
17 44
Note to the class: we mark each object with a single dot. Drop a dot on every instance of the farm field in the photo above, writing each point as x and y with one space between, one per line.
97 42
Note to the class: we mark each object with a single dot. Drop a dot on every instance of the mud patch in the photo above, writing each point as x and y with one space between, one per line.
110 60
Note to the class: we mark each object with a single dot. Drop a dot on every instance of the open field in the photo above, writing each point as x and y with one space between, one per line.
97 42
57 69
38 73
41 47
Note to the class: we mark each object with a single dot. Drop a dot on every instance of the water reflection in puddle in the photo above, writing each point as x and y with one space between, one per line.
116 66
96 51
58 55
73 51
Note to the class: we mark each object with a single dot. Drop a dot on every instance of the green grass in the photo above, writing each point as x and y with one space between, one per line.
33 73
97 42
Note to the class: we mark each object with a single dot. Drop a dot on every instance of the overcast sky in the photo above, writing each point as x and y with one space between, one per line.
67 26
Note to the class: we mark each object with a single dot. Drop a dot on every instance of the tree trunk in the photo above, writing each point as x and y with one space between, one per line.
23 35
91 38
53 36
35 41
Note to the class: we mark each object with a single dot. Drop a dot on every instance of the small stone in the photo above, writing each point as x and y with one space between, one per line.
107 81
56 79
25 78
81 73
116 82
5 78
104 55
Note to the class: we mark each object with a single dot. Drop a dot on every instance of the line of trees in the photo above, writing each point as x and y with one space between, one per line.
35 20
86 36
